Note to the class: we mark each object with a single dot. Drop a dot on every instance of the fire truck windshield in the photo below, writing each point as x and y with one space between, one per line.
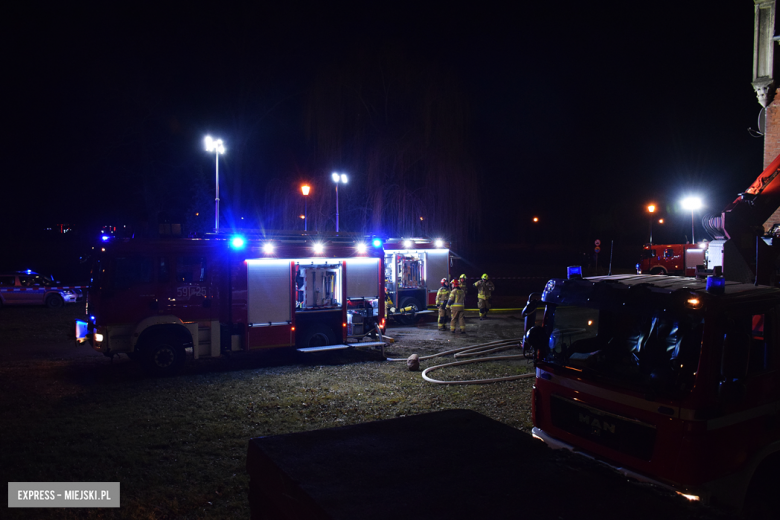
655 351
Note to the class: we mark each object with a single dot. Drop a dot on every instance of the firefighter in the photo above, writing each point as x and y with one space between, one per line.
441 303
462 282
456 304
485 290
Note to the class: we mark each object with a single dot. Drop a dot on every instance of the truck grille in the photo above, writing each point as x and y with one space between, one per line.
618 433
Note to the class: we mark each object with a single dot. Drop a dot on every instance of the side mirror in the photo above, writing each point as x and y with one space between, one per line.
536 342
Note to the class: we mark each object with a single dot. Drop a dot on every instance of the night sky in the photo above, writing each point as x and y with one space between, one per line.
579 113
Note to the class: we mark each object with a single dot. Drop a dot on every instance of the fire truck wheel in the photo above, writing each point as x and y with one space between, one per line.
317 336
657 270
54 301
413 318
164 355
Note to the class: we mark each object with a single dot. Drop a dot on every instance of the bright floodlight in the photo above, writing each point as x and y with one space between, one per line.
407 244
335 177
362 248
305 189
439 243
344 178
268 248
318 248
651 208
214 145
691 203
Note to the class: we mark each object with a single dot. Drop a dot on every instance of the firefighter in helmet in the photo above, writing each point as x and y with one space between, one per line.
485 290
441 303
462 282
456 304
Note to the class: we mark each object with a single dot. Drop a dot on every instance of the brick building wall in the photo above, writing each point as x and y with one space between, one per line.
772 146
772 130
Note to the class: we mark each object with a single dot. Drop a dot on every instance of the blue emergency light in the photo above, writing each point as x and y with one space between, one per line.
377 242
716 284
574 272
237 242
104 238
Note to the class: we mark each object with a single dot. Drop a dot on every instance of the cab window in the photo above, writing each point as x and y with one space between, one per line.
668 253
760 350
7 281
132 270
191 269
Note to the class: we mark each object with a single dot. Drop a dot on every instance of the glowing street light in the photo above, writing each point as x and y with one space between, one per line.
338 178
692 203
216 146
651 210
305 190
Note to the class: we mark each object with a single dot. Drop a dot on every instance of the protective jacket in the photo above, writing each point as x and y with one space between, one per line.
442 296
456 299
485 289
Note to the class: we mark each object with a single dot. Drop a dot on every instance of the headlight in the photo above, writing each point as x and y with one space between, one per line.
98 338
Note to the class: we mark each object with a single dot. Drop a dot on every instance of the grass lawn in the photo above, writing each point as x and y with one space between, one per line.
178 445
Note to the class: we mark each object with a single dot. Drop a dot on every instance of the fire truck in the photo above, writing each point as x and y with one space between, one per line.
159 300
745 234
414 268
673 259
669 380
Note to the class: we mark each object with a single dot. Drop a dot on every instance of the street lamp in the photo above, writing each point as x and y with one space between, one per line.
305 190
338 178
651 210
692 203
216 146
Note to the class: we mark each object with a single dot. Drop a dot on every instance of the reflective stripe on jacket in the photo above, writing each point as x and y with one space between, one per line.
457 298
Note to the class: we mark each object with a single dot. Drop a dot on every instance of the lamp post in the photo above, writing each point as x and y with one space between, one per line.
692 203
216 146
338 178
651 210
305 190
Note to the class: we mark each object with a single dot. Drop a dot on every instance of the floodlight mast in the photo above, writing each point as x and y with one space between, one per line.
216 146
338 178
692 203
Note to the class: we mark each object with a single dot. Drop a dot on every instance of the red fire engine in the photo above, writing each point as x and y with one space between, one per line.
158 300
674 259
413 269
670 380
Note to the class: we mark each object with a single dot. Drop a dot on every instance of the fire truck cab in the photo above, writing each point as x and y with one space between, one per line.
413 270
673 381
157 300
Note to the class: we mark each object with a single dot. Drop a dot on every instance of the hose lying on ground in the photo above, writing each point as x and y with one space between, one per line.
471 351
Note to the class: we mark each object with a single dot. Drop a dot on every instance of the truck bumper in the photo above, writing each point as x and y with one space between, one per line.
556 444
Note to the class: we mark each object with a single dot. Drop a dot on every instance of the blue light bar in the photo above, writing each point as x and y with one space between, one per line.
377 242
574 271
237 242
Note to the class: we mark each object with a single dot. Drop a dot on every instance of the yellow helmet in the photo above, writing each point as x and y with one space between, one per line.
484 276
463 276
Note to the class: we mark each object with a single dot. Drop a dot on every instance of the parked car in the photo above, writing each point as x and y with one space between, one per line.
30 288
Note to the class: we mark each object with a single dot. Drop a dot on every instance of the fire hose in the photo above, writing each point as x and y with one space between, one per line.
472 351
